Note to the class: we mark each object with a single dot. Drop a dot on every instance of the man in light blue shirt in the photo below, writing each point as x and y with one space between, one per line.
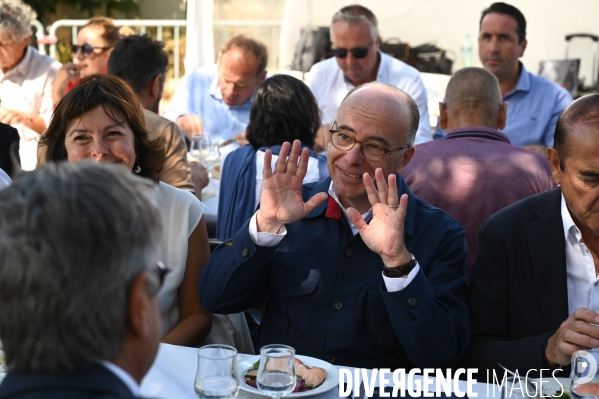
216 99
534 103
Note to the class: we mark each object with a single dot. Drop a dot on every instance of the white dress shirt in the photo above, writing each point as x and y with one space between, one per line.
329 86
582 282
124 377
270 240
28 88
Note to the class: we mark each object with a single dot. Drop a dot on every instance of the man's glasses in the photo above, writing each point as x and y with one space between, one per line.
358 52
370 150
86 49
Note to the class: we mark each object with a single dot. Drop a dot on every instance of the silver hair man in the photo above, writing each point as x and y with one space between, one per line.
356 13
76 241
15 19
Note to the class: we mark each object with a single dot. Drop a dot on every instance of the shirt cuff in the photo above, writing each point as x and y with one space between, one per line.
398 283
265 239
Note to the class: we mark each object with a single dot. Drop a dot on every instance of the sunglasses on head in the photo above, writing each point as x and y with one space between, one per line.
358 52
86 49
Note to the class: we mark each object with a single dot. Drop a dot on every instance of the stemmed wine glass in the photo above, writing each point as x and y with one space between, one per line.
276 374
217 372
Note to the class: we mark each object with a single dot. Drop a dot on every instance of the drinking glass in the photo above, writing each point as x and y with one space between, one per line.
585 381
217 372
276 374
198 143
2 364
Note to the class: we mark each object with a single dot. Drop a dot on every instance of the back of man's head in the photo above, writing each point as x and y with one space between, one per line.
473 98
357 13
138 60
73 238
250 46
582 112
507 9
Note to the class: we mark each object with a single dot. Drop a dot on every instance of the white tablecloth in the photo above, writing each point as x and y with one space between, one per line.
173 373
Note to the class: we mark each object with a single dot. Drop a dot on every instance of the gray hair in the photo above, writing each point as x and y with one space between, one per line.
357 13
474 90
73 237
413 107
15 19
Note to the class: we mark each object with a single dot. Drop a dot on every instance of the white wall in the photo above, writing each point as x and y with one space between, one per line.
446 22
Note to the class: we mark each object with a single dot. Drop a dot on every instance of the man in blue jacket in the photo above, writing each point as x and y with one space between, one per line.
352 274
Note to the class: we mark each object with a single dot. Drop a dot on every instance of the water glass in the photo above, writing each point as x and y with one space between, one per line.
585 379
276 374
2 364
217 372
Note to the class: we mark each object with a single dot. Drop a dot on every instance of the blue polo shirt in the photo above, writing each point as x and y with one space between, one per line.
533 108
199 93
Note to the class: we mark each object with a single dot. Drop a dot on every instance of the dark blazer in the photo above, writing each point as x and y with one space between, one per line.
518 293
325 294
96 382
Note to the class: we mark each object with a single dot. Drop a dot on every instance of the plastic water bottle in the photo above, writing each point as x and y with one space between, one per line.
467 52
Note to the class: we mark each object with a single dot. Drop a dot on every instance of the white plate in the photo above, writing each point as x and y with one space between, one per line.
550 386
330 382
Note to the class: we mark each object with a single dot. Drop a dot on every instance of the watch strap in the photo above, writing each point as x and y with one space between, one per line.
401 270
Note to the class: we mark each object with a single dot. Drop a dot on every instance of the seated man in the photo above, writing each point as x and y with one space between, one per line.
336 260
475 171
27 77
358 60
216 99
79 278
141 62
535 102
533 295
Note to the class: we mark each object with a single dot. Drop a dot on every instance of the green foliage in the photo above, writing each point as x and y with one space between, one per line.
104 7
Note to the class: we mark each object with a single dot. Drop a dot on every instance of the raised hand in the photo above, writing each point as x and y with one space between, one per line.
579 331
385 233
281 198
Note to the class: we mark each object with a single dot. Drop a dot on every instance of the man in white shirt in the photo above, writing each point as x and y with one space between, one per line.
533 295
358 60
78 296
337 256
26 79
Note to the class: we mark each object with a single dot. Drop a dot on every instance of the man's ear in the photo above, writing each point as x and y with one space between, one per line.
502 116
442 116
523 45
155 87
138 307
554 160
262 77
406 157
377 42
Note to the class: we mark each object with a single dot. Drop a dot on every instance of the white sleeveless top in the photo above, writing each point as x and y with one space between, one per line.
180 212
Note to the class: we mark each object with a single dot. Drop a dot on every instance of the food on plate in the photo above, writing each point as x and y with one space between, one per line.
562 394
216 172
307 377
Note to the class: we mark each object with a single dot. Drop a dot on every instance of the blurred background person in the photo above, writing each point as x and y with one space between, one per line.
95 42
216 99
78 296
102 119
283 110
142 62
27 78
10 161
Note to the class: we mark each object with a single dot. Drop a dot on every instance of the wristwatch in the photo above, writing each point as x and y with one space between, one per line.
401 270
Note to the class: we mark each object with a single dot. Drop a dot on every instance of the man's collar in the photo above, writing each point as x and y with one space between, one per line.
123 376
478 132
571 231
214 88
523 83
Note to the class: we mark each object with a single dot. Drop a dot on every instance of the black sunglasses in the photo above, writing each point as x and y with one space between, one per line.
86 49
358 52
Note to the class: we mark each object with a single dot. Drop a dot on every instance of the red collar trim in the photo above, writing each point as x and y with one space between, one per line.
333 209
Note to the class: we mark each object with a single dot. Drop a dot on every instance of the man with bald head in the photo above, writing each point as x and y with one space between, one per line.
533 295
351 274
217 99
475 171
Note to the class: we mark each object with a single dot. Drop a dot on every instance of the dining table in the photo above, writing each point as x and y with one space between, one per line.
173 374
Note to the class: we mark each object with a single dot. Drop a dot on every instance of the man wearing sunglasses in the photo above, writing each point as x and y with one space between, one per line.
358 273
78 296
26 82
357 60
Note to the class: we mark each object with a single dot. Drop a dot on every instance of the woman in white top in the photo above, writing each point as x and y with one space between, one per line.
102 119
